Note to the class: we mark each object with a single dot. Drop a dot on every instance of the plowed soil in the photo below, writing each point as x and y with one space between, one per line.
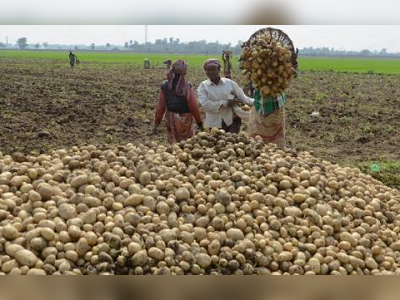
45 105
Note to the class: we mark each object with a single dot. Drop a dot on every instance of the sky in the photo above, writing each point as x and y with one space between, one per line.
346 37
327 12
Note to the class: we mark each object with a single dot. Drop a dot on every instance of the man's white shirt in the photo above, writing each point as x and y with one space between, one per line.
214 100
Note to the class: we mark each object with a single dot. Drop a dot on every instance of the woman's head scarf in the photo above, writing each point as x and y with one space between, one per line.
178 69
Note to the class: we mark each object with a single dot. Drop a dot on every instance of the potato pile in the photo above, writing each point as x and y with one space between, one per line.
215 204
267 63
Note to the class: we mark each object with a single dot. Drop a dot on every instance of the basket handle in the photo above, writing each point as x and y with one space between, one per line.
282 36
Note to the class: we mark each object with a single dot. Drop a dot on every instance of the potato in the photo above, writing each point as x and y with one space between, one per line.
26 258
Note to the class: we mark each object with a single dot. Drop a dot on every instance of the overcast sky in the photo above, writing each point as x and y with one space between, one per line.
348 37
309 12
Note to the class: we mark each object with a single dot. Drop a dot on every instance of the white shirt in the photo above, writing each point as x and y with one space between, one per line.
214 100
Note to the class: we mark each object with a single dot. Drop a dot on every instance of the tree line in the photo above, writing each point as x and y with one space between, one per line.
172 45
331 52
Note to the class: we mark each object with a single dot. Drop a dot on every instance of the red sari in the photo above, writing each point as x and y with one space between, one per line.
180 127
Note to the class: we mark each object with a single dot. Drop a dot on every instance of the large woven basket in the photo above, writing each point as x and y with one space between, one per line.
281 37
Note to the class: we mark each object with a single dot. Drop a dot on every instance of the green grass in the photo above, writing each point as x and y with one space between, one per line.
106 57
388 173
352 65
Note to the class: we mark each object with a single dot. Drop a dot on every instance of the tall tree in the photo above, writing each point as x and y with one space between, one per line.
365 52
22 43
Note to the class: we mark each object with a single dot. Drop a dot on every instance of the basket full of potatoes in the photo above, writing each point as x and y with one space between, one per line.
269 61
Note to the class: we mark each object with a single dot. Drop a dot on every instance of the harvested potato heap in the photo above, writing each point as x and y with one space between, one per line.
267 63
221 204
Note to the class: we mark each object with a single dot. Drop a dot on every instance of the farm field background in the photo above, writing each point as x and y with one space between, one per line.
110 99
362 65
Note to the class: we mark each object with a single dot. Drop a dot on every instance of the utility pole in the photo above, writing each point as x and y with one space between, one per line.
6 40
145 34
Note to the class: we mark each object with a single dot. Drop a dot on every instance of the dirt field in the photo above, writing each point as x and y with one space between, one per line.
45 105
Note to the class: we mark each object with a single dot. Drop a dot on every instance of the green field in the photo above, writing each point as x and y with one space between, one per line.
106 57
352 65
359 65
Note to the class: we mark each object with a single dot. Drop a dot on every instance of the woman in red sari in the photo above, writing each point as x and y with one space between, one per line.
177 100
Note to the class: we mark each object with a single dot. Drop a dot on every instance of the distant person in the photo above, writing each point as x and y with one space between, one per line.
168 63
218 96
177 100
73 59
226 57
250 88
146 63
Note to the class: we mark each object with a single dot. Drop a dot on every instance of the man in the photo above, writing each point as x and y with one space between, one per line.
217 96
72 59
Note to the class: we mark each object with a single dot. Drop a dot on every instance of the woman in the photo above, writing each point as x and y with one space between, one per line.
218 97
267 119
177 100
